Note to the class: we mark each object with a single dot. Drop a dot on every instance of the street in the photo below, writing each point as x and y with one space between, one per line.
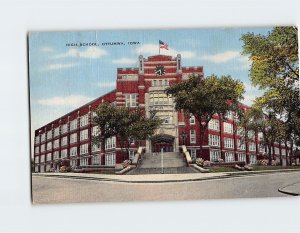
68 190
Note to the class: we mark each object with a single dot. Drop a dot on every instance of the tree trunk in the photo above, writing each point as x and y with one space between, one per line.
270 154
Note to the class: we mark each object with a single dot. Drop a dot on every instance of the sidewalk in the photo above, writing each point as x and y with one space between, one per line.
161 178
149 178
292 189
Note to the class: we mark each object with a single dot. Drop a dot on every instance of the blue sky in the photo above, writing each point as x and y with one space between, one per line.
63 78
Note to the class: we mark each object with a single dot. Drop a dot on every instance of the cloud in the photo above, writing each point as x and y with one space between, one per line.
251 94
152 49
58 66
91 52
70 101
46 49
106 84
222 57
124 61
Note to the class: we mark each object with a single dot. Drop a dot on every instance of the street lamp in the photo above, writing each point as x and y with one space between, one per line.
183 135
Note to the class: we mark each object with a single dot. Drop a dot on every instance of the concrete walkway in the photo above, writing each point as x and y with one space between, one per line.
153 178
292 189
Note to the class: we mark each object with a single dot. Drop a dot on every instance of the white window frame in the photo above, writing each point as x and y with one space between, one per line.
64 128
192 136
84 134
64 141
49 145
73 138
228 143
84 161
192 119
42 159
213 140
49 157
229 156
242 157
110 159
228 128
193 153
84 149
130 100
252 159
214 155
252 146
73 151
56 143
241 144
214 124
37 150
64 153
55 155
96 160
49 134
73 124
56 131
84 120
43 137
42 147
37 139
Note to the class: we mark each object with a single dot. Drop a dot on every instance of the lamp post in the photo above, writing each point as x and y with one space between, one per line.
162 160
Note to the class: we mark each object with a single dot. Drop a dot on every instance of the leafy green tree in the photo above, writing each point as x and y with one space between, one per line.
208 96
275 69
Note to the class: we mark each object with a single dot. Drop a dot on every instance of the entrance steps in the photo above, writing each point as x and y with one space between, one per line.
173 163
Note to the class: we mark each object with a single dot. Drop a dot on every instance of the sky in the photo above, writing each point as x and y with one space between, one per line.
64 77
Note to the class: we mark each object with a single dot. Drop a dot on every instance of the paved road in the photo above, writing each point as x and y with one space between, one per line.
66 190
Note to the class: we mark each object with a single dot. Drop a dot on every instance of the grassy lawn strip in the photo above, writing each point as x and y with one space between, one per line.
255 168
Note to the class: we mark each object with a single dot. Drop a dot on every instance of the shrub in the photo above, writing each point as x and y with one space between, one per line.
273 163
262 162
206 163
199 161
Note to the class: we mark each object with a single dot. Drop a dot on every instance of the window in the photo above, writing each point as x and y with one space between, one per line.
214 124
64 128
241 145
43 148
64 141
252 159
42 158
36 150
84 148
228 128
131 154
36 159
73 138
48 168
84 134
110 159
242 157
213 140
49 134
48 158
84 120
215 155
251 134
192 119
42 167
260 136
73 124
36 168
73 151
49 145
229 115
228 143
73 162
192 136
37 139
43 137
130 100
64 153
96 160
276 149
95 131
56 143
261 148
95 147
56 155
56 131
229 157
193 153
110 143
84 161
252 146
241 131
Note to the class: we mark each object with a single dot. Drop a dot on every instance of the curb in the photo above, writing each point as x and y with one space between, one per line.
281 190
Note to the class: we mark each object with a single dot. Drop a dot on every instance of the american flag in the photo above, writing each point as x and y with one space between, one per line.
163 45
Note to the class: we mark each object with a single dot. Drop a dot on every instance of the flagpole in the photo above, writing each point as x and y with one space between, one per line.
158 48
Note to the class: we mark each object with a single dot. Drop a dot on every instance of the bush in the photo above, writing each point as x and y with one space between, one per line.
262 162
199 161
206 163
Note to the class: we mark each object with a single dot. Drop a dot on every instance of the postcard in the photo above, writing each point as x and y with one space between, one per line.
160 115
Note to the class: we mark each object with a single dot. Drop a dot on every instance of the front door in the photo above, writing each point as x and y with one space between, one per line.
164 142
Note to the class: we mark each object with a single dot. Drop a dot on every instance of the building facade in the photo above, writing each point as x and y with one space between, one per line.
69 137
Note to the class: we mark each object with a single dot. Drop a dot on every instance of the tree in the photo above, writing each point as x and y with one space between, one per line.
275 69
125 124
205 97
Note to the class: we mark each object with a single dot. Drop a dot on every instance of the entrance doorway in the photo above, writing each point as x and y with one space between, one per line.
162 141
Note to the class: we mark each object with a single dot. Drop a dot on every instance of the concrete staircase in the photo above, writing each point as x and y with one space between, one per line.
173 163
